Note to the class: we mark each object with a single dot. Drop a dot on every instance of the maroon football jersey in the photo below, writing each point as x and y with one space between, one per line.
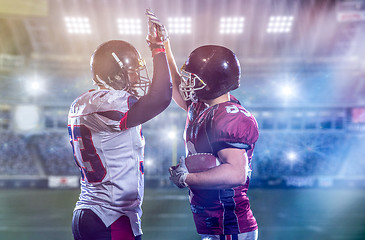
209 130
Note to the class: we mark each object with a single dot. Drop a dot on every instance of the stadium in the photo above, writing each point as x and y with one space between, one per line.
303 78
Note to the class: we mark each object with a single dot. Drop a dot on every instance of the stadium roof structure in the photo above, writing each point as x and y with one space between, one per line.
40 30
59 36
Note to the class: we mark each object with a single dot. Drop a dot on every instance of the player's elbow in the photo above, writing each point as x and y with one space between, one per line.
238 181
238 177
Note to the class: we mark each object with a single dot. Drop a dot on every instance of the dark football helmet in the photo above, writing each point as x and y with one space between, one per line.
118 65
209 72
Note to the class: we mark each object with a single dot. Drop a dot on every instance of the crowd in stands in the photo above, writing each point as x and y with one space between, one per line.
15 157
300 154
55 152
276 154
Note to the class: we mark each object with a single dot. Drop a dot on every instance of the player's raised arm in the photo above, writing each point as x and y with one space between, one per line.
159 95
175 75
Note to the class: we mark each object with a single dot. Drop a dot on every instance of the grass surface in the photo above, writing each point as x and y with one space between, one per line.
285 214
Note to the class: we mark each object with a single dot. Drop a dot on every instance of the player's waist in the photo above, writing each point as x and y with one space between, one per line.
215 198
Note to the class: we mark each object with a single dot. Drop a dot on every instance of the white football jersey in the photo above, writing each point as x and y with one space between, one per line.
110 156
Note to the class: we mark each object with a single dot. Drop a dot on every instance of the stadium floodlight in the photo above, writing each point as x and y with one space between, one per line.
287 91
231 25
129 26
292 156
179 25
172 138
149 162
78 25
280 24
172 134
35 86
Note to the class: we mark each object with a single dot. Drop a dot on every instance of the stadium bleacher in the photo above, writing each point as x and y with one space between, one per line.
277 155
15 157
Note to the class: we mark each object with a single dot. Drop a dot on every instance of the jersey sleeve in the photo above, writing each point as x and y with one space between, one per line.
232 126
112 109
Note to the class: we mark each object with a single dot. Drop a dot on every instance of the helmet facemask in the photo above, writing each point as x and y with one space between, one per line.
189 84
140 87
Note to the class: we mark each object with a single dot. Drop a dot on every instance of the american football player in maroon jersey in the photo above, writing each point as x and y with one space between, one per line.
217 124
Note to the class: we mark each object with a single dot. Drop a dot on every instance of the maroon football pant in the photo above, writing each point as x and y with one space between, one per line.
86 225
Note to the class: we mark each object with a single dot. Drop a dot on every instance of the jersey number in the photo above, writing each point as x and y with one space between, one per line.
91 165
235 109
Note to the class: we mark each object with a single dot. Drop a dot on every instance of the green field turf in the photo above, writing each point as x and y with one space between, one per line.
283 214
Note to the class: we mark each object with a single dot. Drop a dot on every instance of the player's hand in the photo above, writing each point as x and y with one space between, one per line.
179 173
157 33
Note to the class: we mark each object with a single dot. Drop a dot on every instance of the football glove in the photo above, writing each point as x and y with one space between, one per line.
157 33
179 173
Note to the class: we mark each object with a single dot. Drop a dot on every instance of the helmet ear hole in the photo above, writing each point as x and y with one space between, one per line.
122 80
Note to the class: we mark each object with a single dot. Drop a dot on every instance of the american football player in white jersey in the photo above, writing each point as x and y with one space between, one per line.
217 124
105 133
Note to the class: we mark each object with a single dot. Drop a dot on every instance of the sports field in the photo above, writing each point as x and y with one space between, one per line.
285 214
